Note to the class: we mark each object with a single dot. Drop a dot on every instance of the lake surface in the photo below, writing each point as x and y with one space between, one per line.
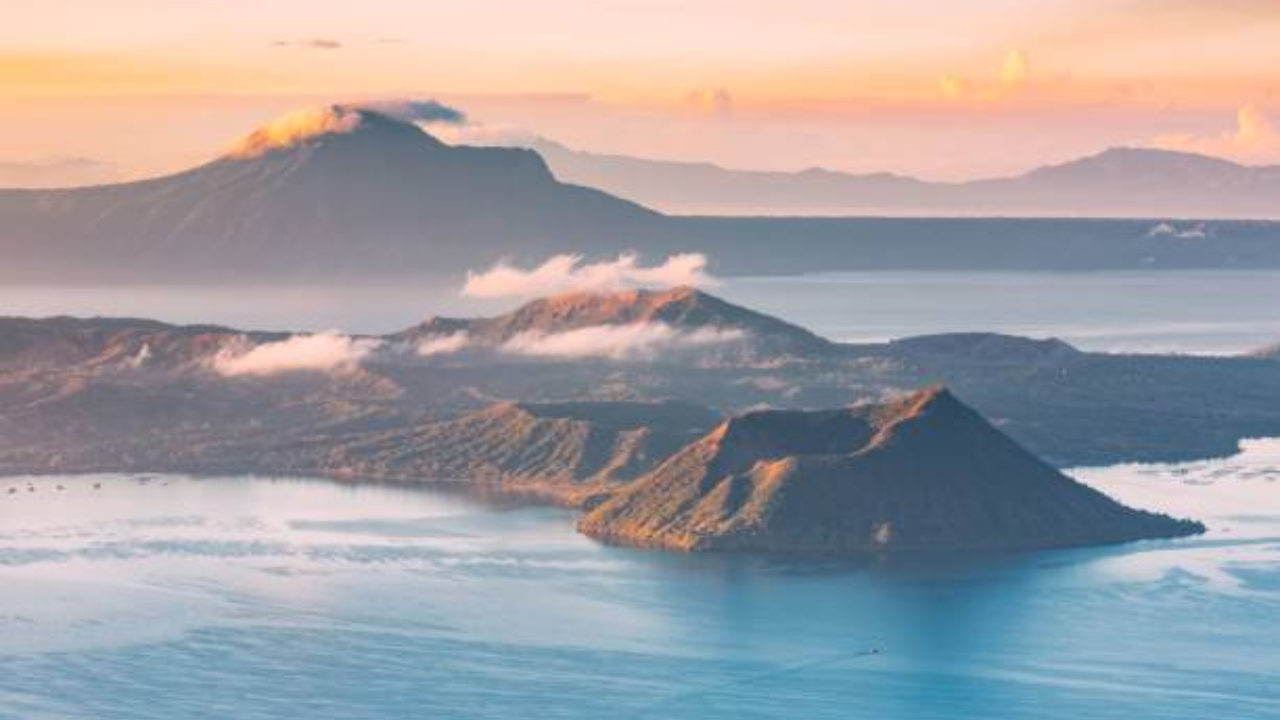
1167 311
171 597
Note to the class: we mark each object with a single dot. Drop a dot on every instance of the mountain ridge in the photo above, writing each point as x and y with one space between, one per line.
681 308
1184 185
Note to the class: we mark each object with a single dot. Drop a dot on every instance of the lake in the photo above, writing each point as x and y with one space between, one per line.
1168 311
138 597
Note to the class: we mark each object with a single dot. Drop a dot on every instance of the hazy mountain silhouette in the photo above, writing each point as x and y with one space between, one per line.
1120 182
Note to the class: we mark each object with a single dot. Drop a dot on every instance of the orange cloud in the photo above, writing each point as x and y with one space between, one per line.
716 103
295 129
953 87
1015 72
1254 139
1015 69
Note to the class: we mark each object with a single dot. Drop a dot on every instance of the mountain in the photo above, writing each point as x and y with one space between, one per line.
608 324
920 473
705 188
334 193
1120 182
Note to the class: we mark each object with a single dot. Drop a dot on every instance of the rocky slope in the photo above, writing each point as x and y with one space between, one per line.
565 452
920 473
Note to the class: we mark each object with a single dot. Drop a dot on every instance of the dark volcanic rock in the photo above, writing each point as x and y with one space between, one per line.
565 452
921 473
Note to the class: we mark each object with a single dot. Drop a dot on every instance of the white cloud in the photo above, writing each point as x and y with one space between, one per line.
443 344
1254 139
475 133
635 341
1195 232
567 273
323 352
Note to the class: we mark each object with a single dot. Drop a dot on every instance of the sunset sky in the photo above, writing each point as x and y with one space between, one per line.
939 89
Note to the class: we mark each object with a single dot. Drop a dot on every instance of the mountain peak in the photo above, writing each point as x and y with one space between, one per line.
313 125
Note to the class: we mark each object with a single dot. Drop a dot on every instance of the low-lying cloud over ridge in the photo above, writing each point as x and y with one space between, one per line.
567 273
322 352
443 344
634 341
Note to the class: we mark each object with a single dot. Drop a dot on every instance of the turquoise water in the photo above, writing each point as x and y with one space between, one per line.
173 597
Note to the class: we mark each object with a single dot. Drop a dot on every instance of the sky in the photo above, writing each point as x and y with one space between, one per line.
945 89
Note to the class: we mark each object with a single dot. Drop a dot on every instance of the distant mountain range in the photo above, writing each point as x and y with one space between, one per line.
353 194
1120 182
922 472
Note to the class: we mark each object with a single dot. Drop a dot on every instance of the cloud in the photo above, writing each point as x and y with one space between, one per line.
296 128
322 352
634 341
953 87
312 43
1015 72
483 134
1254 138
417 111
443 344
713 102
1016 68
1195 232
567 273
